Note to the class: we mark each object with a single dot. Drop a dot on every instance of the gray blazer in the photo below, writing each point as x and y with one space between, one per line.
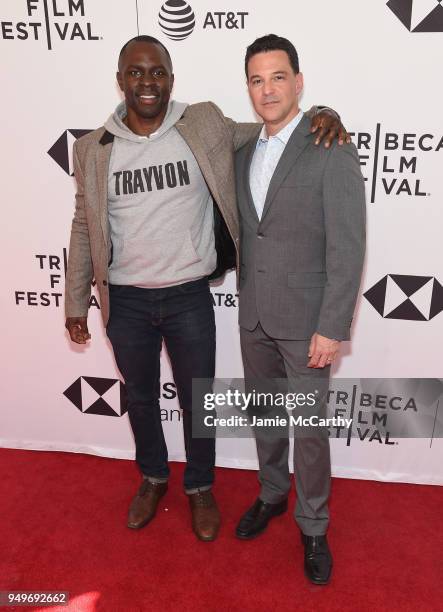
212 138
301 263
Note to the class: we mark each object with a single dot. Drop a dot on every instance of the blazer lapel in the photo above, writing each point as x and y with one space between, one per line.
102 157
246 171
192 139
296 143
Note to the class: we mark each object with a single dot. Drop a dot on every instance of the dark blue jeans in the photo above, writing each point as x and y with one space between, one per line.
182 316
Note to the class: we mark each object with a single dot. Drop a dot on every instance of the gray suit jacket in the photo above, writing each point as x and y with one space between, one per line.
212 138
301 263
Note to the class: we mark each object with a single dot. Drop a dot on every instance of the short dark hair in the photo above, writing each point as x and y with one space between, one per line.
143 38
272 42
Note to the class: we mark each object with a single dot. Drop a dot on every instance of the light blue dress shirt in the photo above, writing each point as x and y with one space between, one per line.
266 157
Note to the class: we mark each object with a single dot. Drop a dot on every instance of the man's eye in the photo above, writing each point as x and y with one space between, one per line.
256 82
279 77
159 73
134 73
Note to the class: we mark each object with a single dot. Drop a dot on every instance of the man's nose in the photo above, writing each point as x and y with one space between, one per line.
268 88
146 78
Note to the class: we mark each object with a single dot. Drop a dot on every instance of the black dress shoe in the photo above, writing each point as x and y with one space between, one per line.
318 559
256 519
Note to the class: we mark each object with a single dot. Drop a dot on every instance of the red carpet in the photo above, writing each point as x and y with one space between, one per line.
63 528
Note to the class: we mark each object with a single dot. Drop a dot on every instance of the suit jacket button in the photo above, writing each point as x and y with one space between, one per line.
260 235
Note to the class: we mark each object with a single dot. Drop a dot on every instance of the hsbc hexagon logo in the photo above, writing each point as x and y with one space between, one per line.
103 396
61 150
405 297
419 15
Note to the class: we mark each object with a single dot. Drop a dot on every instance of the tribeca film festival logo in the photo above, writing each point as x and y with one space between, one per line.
368 414
107 397
386 410
55 267
419 15
390 160
53 20
407 298
177 20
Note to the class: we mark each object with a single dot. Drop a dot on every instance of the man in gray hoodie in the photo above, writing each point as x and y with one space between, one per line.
155 218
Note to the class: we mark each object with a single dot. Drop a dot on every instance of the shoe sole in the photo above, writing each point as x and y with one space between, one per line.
140 525
205 539
257 533
318 582
251 537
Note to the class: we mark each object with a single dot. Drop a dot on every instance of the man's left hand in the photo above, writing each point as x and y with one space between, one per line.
327 126
322 351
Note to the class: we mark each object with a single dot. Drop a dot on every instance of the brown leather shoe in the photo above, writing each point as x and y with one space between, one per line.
144 505
205 515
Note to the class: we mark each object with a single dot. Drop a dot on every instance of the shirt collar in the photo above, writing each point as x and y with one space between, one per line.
284 134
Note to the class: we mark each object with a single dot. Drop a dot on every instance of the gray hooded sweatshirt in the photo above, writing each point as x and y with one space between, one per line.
160 209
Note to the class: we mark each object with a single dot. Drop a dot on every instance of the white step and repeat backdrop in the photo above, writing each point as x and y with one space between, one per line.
376 63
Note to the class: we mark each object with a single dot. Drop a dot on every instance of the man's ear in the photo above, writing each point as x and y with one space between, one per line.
299 83
119 78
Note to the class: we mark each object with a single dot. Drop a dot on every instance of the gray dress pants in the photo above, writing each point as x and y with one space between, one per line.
268 359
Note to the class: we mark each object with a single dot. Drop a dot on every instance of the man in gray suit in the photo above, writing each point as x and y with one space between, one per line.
302 242
155 218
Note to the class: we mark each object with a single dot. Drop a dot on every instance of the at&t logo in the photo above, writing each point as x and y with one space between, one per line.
177 20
